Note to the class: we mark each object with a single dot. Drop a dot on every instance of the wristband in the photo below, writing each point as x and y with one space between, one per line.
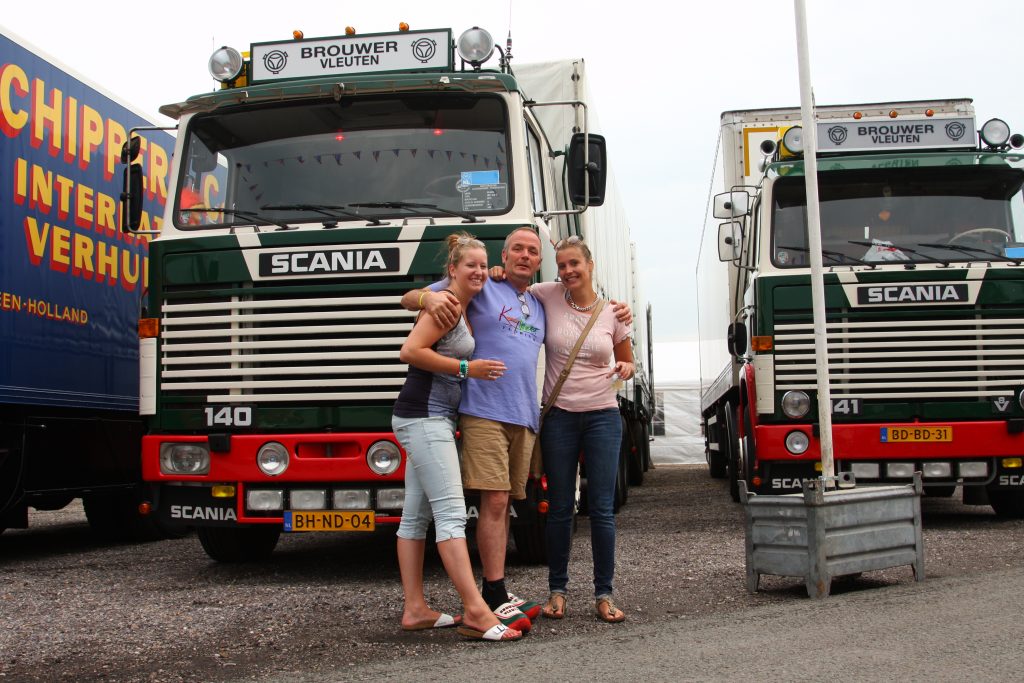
463 369
419 303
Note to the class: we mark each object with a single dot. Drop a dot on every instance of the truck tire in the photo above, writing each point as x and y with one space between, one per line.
239 544
717 461
632 450
748 451
530 543
115 517
1007 503
730 444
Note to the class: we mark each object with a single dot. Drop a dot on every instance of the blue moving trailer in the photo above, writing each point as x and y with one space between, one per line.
71 288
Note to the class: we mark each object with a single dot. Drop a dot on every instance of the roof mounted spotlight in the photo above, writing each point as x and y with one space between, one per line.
792 142
1017 141
226 64
475 46
995 133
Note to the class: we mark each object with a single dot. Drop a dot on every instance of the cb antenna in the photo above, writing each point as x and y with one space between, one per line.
506 58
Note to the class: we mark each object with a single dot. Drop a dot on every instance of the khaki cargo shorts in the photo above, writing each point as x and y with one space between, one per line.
495 455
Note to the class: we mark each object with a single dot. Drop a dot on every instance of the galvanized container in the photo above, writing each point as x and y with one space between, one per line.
823 534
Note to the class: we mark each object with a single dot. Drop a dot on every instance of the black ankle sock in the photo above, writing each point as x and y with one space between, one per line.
494 593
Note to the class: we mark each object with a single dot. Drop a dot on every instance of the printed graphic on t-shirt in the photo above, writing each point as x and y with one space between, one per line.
510 323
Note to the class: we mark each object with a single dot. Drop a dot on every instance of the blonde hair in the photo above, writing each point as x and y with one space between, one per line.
458 243
577 242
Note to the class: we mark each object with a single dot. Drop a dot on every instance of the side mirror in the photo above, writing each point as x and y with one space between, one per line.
729 238
131 198
732 204
596 170
736 339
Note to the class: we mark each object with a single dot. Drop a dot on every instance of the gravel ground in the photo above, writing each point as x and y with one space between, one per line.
72 608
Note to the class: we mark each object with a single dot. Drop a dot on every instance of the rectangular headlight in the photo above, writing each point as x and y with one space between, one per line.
935 470
264 499
390 499
865 470
899 470
351 499
304 499
973 469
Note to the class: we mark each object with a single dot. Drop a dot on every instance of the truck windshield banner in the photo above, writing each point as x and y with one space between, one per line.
929 133
70 281
382 52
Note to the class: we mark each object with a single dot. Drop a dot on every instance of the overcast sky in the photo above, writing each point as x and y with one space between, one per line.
660 75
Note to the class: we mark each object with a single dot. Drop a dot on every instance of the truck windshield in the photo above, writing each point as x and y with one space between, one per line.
314 160
963 212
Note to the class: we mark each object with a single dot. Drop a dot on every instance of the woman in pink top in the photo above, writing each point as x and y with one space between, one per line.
584 417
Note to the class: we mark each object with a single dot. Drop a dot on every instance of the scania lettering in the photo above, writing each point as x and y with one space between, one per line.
306 198
922 235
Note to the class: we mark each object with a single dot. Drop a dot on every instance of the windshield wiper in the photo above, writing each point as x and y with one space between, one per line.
324 209
245 215
837 256
411 206
902 248
972 250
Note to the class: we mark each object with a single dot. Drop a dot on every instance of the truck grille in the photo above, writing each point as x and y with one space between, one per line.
913 357
270 348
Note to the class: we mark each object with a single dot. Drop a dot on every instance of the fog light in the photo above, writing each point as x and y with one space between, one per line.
475 46
226 64
865 470
797 443
264 499
223 491
899 470
383 457
973 469
351 499
795 404
937 470
184 458
390 499
303 499
272 458
1013 463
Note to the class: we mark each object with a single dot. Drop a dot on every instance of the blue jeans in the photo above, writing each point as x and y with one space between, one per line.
597 434
433 480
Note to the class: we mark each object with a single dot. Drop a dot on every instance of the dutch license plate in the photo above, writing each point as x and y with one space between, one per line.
329 520
917 434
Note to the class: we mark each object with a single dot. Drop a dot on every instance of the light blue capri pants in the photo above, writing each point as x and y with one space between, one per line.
433 480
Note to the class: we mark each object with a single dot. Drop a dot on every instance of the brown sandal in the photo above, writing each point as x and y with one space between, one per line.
555 606
610 613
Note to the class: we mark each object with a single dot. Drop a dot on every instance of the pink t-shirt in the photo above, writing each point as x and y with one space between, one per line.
588 387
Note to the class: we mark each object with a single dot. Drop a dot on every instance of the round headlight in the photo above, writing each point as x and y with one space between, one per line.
383 457
797 443
795 404
793 140
225 64
184 458
475 46
1020 398
272 458
995 133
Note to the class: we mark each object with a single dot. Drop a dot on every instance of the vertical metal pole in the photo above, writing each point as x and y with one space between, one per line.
814 243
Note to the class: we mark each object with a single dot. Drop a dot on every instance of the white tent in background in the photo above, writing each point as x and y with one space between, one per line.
677 437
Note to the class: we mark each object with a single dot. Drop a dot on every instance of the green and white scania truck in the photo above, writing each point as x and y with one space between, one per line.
922 231
307 195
